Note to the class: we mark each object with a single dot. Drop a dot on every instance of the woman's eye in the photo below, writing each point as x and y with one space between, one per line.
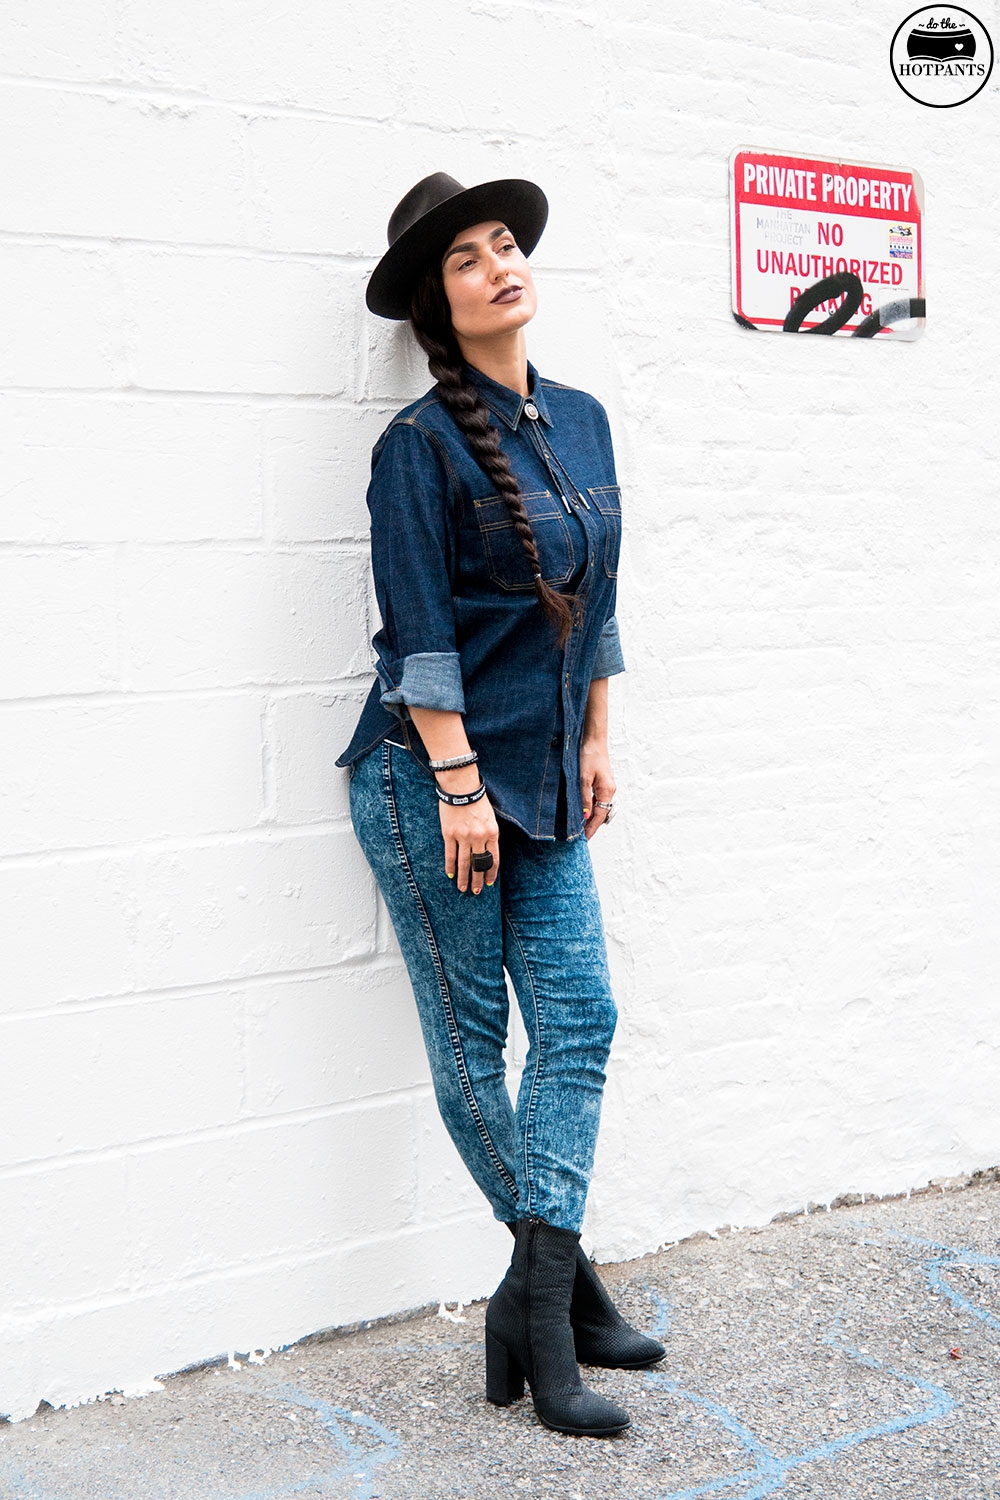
465 263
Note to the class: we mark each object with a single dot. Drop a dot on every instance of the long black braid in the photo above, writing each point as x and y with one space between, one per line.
430 319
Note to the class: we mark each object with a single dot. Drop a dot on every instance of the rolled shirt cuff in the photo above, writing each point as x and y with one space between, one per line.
609 659
431 679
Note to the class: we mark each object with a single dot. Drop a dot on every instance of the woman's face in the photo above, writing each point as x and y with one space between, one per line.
487 282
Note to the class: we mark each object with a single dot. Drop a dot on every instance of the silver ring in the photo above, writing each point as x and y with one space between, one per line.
609 808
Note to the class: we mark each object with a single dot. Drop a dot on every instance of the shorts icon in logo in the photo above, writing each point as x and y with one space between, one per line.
924 44
941 56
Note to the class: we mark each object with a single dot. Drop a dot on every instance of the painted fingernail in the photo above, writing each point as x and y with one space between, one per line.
491 882
476 890
450 874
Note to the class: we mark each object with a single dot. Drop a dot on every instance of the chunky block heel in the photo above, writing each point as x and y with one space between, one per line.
504 1376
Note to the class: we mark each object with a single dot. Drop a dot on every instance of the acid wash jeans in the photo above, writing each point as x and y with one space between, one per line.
541 921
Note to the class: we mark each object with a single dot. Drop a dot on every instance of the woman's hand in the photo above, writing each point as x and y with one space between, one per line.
468 830
596 782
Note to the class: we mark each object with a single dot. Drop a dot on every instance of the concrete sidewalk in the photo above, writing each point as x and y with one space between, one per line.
839 1354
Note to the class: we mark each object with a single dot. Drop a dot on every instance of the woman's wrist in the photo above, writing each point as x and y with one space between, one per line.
443 734
595 715
594 739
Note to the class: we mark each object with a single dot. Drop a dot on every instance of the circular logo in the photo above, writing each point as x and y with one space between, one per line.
941 57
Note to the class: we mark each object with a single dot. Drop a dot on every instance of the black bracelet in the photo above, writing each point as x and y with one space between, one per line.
460 799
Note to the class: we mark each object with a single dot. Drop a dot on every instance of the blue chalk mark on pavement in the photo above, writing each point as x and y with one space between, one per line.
358 1460
770 1470
952 1256
364 1445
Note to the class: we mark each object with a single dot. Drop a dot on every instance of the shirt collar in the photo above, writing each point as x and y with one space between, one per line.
505 403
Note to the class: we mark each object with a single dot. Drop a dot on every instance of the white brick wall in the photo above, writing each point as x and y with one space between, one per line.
218 1130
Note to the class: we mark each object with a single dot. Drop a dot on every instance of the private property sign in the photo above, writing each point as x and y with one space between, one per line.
826 246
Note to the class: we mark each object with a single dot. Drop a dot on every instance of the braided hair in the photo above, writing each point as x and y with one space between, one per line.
430 319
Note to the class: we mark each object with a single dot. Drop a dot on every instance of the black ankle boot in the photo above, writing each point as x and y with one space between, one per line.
600 1334
529 1336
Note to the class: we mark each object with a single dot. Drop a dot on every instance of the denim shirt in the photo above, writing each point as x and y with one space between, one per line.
462 627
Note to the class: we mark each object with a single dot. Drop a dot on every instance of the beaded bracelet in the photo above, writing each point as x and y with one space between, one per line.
456 760
460 799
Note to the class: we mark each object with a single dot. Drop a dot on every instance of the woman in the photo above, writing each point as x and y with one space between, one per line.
495 529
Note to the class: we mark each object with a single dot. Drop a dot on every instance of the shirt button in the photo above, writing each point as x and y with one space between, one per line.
556 741
531 410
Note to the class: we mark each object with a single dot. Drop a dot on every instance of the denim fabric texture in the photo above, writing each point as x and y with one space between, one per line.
542 921
462 628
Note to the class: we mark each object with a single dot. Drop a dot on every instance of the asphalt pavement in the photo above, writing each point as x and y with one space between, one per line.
841 1353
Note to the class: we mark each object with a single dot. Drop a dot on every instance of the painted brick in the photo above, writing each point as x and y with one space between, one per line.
43 40
52 911
123 1342
78 776
305 733
523 46
72 1229
248 906
317 463
89 172
96 469
329 61
310 184
126 1073
230 617
57 619
216 322
310 1043
63 314
317 1171
443 1183
251 908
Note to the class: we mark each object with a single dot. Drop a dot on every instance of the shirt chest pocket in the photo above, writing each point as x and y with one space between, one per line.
506 559
608 499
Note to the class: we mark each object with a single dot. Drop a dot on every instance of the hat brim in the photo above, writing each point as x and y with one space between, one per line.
521 205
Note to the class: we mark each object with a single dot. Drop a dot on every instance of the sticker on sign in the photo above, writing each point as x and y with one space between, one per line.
822 245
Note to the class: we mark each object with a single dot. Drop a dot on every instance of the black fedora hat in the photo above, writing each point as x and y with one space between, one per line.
428 218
